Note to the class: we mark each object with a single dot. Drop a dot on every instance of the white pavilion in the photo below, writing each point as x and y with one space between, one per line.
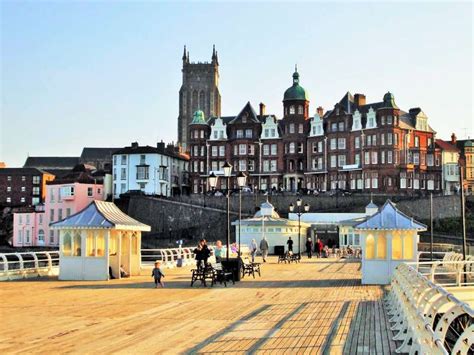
97 241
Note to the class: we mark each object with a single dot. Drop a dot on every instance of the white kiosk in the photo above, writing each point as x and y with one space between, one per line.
97 241
389 237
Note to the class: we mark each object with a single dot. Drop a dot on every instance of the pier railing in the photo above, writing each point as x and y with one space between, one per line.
428 318
28 264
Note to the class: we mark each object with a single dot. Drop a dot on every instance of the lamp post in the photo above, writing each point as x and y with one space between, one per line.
241 181
227 172
299 213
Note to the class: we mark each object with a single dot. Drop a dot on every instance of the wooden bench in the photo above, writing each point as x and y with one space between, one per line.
213 272
250 268
289 258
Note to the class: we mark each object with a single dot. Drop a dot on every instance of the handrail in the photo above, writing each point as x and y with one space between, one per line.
28 264
424 313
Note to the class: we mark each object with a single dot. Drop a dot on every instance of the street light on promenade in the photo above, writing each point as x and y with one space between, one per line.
241 181
299 213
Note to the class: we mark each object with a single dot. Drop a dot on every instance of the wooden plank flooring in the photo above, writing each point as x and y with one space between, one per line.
315 307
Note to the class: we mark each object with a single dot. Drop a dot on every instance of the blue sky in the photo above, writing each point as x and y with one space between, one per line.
106 73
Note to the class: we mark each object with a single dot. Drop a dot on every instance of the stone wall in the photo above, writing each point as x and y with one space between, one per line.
197 216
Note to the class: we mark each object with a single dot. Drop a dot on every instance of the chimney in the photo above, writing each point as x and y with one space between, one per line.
320 111
161 146
134 144
359 99
453 139
262 109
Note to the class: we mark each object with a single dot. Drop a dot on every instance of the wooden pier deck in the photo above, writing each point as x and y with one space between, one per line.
317 306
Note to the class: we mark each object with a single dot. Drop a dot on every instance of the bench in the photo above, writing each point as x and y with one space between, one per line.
289 257
213 272
250 268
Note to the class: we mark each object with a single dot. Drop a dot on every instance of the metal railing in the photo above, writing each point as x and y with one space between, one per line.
168 257
429 319
28 264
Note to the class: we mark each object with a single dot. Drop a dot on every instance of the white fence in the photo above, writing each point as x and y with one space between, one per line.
428 318
168 257
30 264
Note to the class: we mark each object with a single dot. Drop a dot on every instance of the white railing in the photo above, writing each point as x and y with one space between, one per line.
28 264
168 257
429 319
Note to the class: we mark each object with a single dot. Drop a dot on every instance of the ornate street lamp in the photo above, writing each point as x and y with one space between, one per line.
212 181
241 181
227 172
299 213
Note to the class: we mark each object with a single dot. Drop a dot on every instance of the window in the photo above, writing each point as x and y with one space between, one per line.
266 165
201 133
416 158
123 174
41 235
389 157
242 149
22 199
367 158
341 126
222 150
66 245
36 179
320 163
203 151
248 133
429 159
273 165
242 165
300 147
333 161
51 215
333 143
300 110
374 140
382 157
90 192
240 133
9 178
292 148
315 147
292 128
357 142
389 138
123 188
236 149
40 218
215 134
23 189
68 212
23 178
357 159
251 149
214 151
300 128
382 139
9 188
334 127
369 140
417 141
389 119
382 120
320 147
27 219
36 190
274 149
60 214
370 247
251 165
51 237
124 160
76 242
292 110
374 158
341 143
266 149
341 160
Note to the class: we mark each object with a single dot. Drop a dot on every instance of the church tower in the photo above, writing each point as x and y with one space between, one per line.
199 91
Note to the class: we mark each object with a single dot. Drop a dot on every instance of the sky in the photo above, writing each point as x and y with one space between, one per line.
105 74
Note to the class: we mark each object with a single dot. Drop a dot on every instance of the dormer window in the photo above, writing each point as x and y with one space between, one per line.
356 121
244 119
371 122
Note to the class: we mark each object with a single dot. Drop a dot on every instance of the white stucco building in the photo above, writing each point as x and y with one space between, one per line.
450 164
156 170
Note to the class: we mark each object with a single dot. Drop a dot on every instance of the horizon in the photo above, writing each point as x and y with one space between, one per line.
119 83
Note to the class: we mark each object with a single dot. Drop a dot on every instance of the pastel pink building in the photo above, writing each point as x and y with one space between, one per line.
64 197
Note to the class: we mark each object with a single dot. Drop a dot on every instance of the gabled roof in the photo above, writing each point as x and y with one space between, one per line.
390 218
91 153
51 162
100 215
249 111
446 146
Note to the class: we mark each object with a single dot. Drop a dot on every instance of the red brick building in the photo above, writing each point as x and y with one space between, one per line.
357 146
23 186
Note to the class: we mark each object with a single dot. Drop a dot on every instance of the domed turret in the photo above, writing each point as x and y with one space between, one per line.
295 92
389 100
198 118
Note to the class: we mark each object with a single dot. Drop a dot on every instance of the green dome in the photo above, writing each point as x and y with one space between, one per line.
469 144
198 118
389 100
296 92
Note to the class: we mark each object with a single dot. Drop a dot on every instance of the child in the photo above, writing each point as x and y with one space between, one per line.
158 274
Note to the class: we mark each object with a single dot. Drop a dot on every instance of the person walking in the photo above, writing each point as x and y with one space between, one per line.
157 274
309 247
264 248
289 242
319 247
253 249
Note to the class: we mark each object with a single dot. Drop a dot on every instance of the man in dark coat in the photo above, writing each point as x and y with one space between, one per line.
309 248
290 244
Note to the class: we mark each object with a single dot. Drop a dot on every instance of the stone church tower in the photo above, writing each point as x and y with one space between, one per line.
199 91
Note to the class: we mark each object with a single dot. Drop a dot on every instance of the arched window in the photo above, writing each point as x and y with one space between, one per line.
300 109
76 242
408 246
370 247
381 246
67 244
397 249
41 235
292 110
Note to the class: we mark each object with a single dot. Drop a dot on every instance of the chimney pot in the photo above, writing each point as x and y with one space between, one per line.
453 138
262 109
